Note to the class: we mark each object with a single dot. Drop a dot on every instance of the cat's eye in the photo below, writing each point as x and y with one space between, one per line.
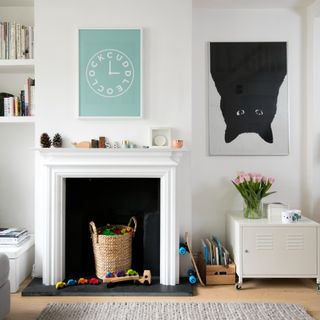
258 112
240 112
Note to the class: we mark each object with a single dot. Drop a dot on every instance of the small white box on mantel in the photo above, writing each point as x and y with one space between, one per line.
273 210
21 260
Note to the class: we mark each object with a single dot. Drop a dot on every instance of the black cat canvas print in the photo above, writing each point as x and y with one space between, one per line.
248 107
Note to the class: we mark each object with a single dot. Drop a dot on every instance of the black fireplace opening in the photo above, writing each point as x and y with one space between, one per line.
114 201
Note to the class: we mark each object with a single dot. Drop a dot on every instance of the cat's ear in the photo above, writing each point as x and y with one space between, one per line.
230 134
266 134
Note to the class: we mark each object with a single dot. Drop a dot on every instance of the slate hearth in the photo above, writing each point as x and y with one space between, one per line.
36 288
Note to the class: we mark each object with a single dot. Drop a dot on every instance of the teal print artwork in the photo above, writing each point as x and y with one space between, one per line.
110 73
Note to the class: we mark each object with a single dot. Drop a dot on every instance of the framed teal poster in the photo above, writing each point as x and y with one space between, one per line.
110 73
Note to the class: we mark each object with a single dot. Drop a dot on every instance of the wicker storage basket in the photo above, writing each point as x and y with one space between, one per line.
112 253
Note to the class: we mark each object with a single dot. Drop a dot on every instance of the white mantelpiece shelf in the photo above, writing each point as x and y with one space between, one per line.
54 165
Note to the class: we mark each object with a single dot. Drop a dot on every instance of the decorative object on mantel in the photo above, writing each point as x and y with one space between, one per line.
253 187
160 137
57 141
45 141
116 145
82 144
94 143
102 142
125 144
112 249
177 143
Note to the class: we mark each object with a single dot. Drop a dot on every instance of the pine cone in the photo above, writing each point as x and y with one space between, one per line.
45 141
57 141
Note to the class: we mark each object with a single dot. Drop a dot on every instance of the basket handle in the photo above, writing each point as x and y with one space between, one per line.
134 219
93 230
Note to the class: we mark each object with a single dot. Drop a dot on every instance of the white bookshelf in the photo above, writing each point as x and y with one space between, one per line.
17 161
17 119
16 3
17 66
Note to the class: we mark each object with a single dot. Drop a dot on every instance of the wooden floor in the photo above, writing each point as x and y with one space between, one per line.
298 291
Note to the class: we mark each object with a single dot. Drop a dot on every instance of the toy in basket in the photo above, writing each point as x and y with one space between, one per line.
130 275
192 274
112 246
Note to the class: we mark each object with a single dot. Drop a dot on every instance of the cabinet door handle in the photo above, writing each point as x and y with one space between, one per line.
246 251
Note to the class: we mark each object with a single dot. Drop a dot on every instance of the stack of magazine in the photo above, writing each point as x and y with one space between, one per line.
214 252
13 236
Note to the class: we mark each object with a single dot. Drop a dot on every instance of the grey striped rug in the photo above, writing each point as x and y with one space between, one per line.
171 310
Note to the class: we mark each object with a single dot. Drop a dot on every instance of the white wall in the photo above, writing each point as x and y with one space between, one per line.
17 176
212 192
312 193
166 78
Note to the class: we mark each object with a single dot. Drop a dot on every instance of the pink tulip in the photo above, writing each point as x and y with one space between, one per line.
240 173
236 181
271 180
247 177
265 179
241 180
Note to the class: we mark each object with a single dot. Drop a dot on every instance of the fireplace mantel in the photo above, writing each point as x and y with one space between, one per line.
54 165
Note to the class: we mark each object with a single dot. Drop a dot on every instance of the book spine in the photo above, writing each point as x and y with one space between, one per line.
1 40
32 102
27 50
23 107
6 106
26 99
18 41
12 54
23 42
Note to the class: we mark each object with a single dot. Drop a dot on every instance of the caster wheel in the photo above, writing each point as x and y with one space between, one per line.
238 286
318 286
192 279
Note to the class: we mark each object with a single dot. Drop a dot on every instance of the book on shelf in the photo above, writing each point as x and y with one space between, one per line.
17 106
16 41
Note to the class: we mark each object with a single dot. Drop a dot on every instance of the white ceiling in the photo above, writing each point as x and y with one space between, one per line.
251 4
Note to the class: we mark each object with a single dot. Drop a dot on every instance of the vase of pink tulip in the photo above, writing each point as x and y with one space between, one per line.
253 187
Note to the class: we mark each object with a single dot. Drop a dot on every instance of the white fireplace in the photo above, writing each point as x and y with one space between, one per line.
55 165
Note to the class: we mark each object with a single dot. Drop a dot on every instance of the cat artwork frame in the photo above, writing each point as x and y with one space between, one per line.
248 98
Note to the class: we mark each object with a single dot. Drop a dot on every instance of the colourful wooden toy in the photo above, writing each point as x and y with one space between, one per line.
120 273
132 272
94 281
72 283
60 285
109 274
82 281
144 279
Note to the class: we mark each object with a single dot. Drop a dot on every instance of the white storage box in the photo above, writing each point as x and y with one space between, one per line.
21 261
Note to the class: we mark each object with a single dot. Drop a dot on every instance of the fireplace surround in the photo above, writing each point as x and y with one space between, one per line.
53 166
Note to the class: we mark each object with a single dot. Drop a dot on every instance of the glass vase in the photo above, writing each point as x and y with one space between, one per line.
253 210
